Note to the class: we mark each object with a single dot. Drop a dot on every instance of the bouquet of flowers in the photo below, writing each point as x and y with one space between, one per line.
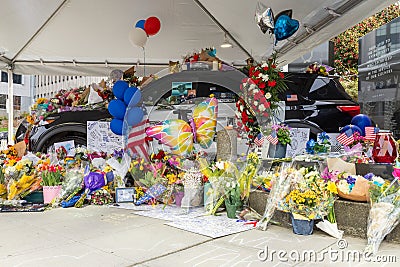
52 175
384 214
321 146
280 188
319 69
354 187
309 198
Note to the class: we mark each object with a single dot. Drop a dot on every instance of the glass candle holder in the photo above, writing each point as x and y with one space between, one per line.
384 150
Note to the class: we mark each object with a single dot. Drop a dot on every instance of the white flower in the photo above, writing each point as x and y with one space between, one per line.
260 75
228 185
220 165
262 108
265 78
268 95
343 186
252 86
241 108
256 91
377 179
256 103
265 64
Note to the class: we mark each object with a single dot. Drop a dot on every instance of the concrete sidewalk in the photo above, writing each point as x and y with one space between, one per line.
103 236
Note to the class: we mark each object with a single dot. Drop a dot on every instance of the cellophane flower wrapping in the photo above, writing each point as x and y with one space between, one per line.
193 188
72 183
384 214
279 189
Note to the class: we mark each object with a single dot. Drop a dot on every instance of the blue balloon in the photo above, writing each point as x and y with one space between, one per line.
116 126
134 116
285 27
119 89
353 129
362 121
117 108
132 96
140 24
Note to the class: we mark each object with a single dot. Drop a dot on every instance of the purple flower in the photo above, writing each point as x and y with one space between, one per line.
369 176
351 180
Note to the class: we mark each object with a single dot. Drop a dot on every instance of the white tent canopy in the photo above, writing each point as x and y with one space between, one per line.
90 37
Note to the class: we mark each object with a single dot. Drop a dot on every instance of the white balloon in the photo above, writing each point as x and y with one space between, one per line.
138 36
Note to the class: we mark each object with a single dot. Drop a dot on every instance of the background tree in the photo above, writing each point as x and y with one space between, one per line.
346 47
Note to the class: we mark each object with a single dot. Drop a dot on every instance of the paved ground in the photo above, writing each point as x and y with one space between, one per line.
102 236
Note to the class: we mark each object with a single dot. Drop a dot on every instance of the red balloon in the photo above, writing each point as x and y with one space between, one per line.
152 25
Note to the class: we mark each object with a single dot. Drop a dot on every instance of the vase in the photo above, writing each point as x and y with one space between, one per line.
231 209
384 150
277 151
50 192
302 227
178 198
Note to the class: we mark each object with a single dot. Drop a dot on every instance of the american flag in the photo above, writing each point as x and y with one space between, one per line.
272 138
136 140
291 98
346 138
370 133
259 141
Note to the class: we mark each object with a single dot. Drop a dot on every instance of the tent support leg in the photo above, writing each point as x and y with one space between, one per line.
10 108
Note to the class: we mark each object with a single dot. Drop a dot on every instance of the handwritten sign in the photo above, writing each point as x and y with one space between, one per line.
299 138
100 138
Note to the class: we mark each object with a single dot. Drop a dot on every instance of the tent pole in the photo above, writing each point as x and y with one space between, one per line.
10 107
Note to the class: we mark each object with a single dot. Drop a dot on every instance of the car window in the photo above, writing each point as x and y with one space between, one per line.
325 88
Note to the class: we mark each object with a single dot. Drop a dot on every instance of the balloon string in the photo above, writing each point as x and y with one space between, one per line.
144 62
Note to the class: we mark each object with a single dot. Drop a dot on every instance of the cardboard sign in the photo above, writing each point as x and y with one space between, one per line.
100 138
299 138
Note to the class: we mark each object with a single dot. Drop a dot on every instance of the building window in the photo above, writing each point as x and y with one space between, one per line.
3 100
17 102
16 78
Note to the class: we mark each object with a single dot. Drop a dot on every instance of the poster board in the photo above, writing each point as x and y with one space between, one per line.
299 138
100 138
69 147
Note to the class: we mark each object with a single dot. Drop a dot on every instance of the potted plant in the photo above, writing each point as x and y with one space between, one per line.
280 137
51 182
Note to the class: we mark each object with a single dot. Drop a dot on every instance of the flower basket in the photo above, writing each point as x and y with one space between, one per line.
302 227
50 192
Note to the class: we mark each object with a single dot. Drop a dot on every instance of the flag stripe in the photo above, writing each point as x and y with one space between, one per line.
344 139
272 140
370 133
136 140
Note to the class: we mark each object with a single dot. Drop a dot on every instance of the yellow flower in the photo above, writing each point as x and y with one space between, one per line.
332 187
141 167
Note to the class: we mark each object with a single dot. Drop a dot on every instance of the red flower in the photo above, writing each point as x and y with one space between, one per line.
271 83
265 68
247 129
245 118
261 85
256 73
273 66
281 75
